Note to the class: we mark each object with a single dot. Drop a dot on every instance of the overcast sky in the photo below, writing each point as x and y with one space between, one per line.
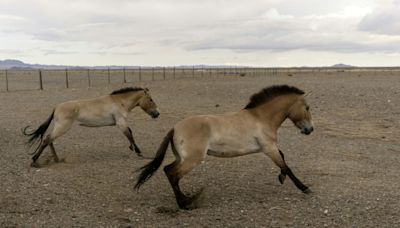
185 32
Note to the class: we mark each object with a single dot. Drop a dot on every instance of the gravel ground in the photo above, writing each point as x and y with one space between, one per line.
351 161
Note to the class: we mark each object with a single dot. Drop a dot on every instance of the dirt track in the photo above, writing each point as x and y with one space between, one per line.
351 161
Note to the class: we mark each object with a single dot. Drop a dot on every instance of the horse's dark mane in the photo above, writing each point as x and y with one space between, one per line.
126 90
268 93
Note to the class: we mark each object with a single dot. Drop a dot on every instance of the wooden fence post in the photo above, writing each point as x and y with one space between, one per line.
140 73
152 73
108 75
88 76
193 71
40 80
124 75
7 80
174 72
66 78
164 73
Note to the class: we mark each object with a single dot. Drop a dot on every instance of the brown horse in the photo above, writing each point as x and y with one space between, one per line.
251 130
109 110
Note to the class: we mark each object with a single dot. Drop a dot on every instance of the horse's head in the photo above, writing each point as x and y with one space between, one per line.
299 114
148 105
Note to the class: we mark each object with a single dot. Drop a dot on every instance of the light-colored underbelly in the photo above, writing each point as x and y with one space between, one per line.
96 122
233 148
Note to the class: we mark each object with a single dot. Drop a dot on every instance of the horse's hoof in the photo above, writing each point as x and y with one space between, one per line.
192 202
35 165
281 178
140 155
307 191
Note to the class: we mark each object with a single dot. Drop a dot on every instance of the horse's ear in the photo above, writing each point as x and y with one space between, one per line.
305 95
146 89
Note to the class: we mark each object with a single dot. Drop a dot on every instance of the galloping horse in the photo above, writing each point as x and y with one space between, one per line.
251 130
109 110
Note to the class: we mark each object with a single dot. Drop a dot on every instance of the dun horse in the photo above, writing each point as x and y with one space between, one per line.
251 130
107 110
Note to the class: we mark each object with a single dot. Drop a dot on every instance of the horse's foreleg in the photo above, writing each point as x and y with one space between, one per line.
287 171
128 133
282 175
278 158
121 123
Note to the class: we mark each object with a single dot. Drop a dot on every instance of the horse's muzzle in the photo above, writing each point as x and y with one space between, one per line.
307 130
154 114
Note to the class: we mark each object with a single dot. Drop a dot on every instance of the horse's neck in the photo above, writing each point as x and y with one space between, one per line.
129 100
274 112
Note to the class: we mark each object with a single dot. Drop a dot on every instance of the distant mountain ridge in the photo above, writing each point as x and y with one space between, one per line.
341 65
17 64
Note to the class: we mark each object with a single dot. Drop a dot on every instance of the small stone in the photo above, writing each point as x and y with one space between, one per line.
128 210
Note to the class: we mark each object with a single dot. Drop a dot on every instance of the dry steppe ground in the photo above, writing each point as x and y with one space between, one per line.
351 161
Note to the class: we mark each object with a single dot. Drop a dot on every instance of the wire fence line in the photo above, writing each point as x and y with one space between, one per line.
41 79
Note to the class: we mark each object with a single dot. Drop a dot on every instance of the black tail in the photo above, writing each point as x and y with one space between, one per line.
151 167
39 132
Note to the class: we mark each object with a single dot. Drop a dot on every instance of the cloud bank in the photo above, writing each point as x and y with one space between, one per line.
211 31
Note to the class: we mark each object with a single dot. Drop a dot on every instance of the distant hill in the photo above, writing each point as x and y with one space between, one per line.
341 65
11 63
17 64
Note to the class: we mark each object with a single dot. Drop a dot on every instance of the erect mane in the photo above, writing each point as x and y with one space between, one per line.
268 93
126 90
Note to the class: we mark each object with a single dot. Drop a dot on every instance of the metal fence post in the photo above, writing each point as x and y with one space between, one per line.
40 80
66 78
88 76
6 80
152 73
174 72
193 71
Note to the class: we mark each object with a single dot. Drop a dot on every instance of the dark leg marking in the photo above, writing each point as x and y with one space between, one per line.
183 201
37 154
287 171
53 151
282 175
133 146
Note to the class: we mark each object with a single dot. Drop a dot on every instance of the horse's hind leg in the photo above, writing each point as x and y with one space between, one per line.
53 151
175 171
60 128
42 146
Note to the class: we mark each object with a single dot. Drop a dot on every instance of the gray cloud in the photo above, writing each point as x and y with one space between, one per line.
385 20
193 30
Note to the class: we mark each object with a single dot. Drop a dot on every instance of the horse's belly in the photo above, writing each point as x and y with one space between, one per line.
233 148
96 122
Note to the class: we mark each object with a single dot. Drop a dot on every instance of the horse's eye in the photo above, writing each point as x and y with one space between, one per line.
308 108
